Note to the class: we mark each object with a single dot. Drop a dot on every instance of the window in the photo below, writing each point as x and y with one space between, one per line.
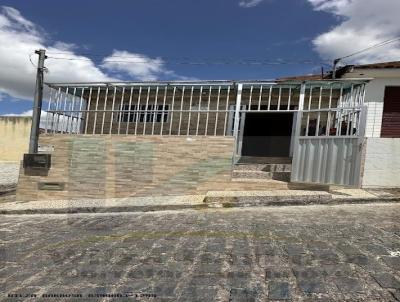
156 113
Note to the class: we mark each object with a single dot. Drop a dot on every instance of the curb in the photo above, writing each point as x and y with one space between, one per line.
227 202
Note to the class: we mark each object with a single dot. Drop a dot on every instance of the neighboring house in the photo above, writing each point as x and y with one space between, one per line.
382 97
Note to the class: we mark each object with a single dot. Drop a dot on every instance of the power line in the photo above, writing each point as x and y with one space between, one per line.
202 62
372 47
383 43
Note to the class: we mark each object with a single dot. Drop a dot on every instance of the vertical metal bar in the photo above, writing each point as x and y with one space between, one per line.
146 110
121 111
351 101
172 111
198 113
250 97
137 116
155 112
180 111
297 158
237 120
89 101
48 109
129 112
208 110
65 108
163 110
363 94
289 98
269 97
112 109
71 112
226 108
104 112
56 113
300 109
259 98
308 113
190 110
279 99
339 112
97 106
349 116
319 112
80 113
328 121
216 114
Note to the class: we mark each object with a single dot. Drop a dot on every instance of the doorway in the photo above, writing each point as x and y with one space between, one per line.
267 134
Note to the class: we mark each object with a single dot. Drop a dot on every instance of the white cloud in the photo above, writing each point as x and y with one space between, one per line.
362 23
137 66
249 3
19 38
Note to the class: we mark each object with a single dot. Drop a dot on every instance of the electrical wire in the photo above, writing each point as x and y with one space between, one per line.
372 47
204 62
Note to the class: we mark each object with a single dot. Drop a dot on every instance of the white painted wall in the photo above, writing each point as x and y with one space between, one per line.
374 94
382 163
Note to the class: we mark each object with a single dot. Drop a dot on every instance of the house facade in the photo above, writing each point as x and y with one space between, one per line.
156 138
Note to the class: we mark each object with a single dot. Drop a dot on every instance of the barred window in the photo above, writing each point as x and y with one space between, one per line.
156 113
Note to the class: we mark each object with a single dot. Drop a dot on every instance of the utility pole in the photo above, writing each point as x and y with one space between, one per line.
37 103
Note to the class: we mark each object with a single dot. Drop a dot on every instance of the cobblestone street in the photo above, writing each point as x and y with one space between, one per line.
325 253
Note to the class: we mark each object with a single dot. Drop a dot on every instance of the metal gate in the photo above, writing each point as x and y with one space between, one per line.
328 141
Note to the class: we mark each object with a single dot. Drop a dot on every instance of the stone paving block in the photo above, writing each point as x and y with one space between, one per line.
387 280
295 249
359 259
279 291
304 260
198 293
348 285
163 290
276 273
310 286
238 279
393 262
309 272
375 249
242 295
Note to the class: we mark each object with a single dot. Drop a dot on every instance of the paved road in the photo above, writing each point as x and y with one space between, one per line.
313 253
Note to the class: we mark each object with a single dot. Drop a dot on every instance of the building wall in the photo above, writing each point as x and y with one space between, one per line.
382 163
121 166
14 137
374 95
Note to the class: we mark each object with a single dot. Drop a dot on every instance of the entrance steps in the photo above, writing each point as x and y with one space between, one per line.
262 168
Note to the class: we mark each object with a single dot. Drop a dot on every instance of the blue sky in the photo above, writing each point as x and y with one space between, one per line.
104 40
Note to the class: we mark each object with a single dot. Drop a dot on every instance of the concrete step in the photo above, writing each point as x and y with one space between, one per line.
282 176
264 167
264 160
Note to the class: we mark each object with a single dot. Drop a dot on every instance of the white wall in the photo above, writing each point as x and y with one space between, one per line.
382 163
374 95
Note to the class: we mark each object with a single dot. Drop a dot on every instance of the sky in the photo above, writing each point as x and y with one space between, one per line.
184 40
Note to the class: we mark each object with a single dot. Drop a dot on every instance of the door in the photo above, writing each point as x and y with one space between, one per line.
334 155
267 134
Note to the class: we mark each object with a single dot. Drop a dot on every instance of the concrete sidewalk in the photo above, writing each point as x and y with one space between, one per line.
213 199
